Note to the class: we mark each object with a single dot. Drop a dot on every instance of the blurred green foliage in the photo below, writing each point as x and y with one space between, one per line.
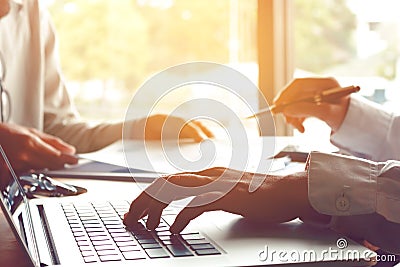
126 40
324 34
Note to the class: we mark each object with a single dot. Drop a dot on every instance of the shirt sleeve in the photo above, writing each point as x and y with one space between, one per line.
60 116
369 132
362 196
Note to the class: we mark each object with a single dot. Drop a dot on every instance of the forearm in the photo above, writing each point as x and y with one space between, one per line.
84 137
369 132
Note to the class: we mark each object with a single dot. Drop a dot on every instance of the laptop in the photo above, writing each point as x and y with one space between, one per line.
73 232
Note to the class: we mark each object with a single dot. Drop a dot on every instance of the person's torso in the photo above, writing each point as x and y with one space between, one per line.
22 51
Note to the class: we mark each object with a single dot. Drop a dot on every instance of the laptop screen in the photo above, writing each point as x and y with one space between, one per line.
14 204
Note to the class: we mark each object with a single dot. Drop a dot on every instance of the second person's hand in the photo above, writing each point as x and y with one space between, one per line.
160 126
332 113
28 148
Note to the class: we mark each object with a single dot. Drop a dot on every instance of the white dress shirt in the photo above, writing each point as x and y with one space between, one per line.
362 195
38 95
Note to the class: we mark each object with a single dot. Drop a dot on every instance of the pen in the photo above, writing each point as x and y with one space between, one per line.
323 96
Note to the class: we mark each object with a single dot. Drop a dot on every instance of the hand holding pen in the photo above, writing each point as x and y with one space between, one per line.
322 98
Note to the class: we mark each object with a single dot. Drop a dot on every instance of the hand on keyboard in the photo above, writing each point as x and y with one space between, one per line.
278 199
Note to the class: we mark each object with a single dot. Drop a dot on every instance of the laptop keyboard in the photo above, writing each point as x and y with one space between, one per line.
102 237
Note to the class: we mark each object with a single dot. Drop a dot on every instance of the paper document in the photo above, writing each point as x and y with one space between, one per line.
168 157
100 170
151 159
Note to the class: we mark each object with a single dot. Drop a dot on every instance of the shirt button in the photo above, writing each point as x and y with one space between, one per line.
342 203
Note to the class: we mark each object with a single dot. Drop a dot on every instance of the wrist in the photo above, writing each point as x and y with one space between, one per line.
305 211
337 113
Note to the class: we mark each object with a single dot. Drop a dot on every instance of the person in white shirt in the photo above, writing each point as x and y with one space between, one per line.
359 197
43 128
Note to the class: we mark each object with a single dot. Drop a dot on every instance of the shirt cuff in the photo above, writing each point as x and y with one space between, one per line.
341 185
364 124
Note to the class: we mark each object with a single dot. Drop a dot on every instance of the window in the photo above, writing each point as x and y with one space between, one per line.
355 41
109 48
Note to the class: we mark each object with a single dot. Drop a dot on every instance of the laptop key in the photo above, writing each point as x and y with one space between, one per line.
110 258
147 241
90 259
95 230
137 227
107 215
85 248
77 229
147 246
192 236
106 212
84 209
88 253
127 243
162 228
115 226
179 251
159 233
97 233
81 238
134 255
122 239
165 237
157 253
83 243
88 218
117 230
102 242
112 222
205 252
122 210
93 225
74 224
107 252
202 246
111 219
99 238
72 217
103 208
104 247
196 241
129 248
91 221
171 242
121 234
78 233
188 232
143 235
